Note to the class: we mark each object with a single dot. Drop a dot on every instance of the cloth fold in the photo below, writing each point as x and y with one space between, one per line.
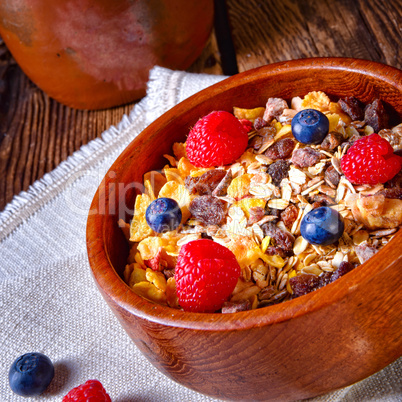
48 300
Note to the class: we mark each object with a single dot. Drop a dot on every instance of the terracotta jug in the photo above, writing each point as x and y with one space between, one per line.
93 54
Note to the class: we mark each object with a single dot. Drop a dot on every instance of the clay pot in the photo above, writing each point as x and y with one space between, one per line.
93 54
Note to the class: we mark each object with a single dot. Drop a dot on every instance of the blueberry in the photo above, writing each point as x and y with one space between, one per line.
163 215
30 374
310 126
322 226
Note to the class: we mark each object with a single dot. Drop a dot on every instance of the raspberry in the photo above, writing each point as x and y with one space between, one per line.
217 139
91 391
370 160
206 274
247 124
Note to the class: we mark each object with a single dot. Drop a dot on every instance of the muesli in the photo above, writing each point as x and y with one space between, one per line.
255 206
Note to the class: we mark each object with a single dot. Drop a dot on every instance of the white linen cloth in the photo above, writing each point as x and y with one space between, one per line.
49 302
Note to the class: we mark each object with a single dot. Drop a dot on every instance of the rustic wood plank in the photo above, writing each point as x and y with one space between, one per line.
271 31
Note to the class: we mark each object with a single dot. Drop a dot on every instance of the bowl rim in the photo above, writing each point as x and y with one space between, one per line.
114 288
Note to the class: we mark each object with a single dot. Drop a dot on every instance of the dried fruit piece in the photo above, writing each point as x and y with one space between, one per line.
208 209
281 149
332 177
377 212
352 107
376 116
303 284
221 189
289 215
217 139
331 141
205 184
283 241
274 108
305 157
278 171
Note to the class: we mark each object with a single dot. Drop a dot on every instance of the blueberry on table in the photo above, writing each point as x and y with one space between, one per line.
30 374
310 126
322 226
163 215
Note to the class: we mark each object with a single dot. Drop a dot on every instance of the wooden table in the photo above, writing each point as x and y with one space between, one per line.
37 133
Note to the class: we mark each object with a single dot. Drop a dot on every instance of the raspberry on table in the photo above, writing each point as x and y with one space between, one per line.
217 139
370 160
206 274
91 391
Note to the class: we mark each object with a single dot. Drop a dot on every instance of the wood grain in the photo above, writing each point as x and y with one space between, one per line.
37 133
310 345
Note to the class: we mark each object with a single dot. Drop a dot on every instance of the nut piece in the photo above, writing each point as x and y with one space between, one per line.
377 212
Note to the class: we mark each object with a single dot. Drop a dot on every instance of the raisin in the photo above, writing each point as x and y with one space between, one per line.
274 212
256 142
208 209
344 268
278 171
281 149
169 273
289 215
191 183
395 192
352 107
325 279
303 284
331 176
283 241
259 123
221 189
331 141
376 116
306 157
205 184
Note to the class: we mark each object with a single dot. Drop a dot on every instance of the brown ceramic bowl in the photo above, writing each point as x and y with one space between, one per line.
308 346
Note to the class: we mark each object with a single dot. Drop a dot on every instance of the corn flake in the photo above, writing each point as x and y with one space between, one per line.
149 291
239 187
249 114
316 100
179 193
245 250
179 150
185 167
156 180
247 203
139 228
149 247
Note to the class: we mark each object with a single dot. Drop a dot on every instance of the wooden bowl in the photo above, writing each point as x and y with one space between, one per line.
301 348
